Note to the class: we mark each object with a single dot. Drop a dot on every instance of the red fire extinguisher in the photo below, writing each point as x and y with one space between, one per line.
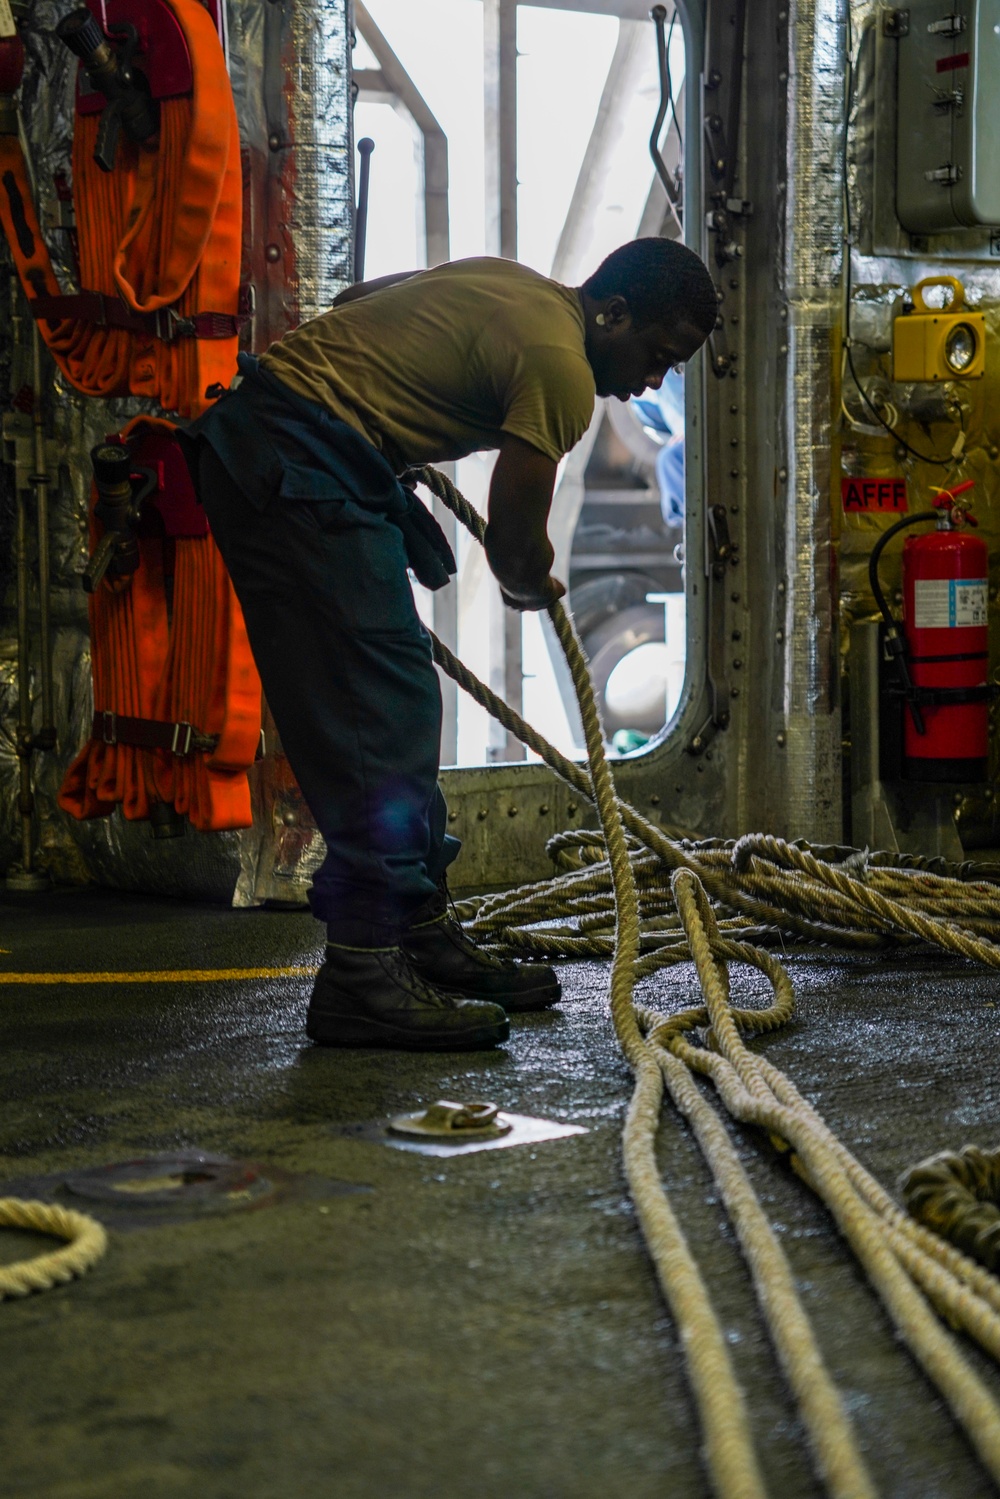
942 655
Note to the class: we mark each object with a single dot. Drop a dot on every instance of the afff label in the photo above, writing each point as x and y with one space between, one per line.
873 494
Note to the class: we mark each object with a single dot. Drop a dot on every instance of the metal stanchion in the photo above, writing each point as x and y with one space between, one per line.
25 877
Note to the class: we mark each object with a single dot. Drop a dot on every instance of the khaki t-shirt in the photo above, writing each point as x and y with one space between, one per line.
443 364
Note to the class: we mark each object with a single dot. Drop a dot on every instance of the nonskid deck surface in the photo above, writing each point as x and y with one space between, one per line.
485 1324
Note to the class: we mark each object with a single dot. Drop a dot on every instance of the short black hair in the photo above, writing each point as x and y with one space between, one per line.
661 280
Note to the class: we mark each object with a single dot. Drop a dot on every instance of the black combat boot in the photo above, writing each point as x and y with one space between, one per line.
442 954
373 997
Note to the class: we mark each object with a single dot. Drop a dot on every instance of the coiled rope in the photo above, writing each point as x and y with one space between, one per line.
957 1193
646 900
87 1242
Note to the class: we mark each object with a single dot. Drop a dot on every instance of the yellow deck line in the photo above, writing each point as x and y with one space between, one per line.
162 976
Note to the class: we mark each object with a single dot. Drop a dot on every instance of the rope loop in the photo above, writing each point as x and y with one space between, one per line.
675 901
957 1194
743 852
86 1243
857 863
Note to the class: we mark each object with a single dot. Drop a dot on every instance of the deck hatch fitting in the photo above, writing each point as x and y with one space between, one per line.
453 1123
201 1181
523 1130
172 1186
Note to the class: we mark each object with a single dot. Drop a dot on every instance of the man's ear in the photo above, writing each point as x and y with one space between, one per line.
616 317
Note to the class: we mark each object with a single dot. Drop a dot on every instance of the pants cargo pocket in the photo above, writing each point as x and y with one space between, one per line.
363 560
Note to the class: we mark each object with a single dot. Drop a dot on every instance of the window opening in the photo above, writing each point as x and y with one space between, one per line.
588 91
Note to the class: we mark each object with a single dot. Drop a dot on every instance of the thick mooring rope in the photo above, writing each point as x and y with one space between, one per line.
957 1193
645 899
87 1242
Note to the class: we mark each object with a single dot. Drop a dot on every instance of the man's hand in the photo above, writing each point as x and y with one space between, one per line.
518 549
552 591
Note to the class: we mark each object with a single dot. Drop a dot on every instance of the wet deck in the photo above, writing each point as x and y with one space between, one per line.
487 1324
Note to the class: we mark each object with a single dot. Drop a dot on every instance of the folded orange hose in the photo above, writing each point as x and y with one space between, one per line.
161 233
189 665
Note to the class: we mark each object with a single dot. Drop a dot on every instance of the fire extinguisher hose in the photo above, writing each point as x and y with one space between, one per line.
895 642
876 553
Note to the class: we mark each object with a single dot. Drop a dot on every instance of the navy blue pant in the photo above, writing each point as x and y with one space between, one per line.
347 671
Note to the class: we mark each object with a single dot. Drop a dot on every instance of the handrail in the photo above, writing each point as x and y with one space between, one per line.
658 16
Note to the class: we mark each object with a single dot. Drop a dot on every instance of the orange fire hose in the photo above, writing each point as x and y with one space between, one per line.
189 666
159 238
176 693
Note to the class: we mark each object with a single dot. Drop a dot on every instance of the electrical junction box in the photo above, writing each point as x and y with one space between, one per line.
939 343
948 104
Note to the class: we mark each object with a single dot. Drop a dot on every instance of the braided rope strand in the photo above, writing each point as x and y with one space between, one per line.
647 899
86 1243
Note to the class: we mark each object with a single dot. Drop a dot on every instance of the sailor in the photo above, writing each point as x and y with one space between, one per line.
302 470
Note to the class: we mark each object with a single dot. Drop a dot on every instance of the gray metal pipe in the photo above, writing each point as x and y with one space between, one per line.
25 876
25 798
46 737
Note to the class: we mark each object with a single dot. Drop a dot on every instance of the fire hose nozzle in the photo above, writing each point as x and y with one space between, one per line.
82 33
112 468
120 492
108 61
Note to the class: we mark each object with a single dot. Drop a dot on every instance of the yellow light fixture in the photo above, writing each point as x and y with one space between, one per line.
947 343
